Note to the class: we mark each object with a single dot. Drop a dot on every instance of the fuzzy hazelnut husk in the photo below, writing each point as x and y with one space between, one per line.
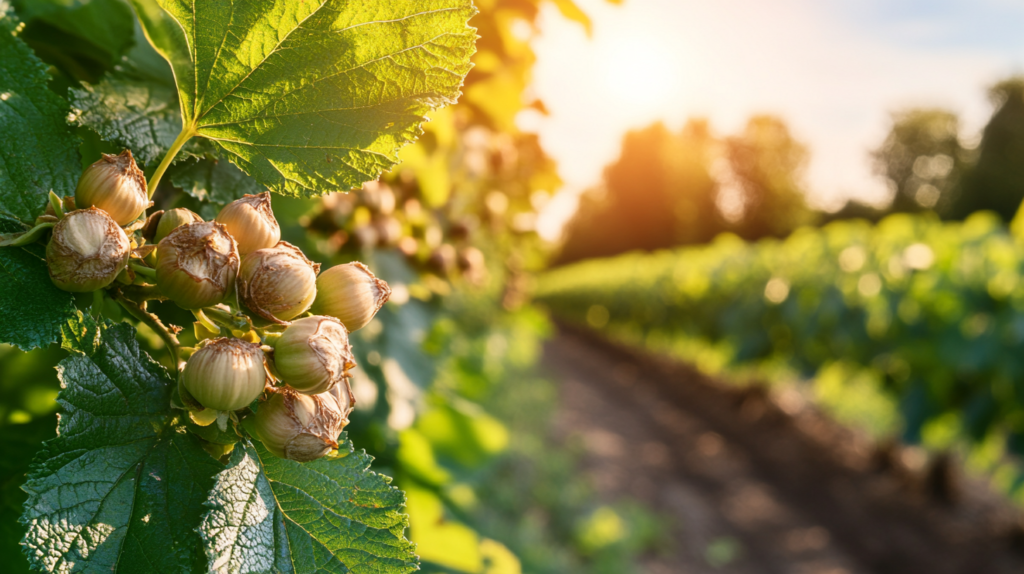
443 259
303 427
197 264
313 355
116 185
250 220
351 293
173 219
389 230
278 283
226 374
87 251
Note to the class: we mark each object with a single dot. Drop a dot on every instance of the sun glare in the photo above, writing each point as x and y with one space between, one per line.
640 72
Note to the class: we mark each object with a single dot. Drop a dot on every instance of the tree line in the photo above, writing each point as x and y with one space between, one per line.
670 188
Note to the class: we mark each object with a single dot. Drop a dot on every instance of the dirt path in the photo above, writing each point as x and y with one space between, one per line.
790 490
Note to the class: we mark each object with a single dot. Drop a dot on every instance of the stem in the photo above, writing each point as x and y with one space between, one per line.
153 322
97 303
143 270
142 293
221 317
184 136
30 236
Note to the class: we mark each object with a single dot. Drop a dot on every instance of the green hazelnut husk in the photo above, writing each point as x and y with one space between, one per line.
313 354
302 427
87 251
116 185
226 374
351 293
278 283
250 220
197 264
173 219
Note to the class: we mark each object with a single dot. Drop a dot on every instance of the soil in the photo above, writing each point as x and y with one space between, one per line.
753 483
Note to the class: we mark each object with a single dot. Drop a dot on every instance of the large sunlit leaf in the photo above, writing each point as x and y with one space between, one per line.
38 151
121 488
310 97
332 515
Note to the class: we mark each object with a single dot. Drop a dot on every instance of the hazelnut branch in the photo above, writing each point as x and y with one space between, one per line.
138 310
145 292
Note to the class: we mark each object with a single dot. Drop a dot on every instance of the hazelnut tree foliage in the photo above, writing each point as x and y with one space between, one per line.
301 98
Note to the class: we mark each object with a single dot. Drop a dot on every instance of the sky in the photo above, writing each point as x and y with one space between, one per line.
833 69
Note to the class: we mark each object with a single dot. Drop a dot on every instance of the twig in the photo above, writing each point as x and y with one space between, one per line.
153 322
140 293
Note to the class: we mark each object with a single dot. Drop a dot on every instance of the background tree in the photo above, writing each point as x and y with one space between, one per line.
767 164
697 219
854 209
659 193
996 181
922 159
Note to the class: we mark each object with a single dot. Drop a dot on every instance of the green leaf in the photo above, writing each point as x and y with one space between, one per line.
269 514
32 309
38 150
217 182
81 334
106 24
135 107
317 96
136 113
121 488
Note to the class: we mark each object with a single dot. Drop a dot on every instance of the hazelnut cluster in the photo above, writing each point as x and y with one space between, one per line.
260 347
392 216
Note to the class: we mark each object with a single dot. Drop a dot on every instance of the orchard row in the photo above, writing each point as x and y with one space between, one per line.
933 311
